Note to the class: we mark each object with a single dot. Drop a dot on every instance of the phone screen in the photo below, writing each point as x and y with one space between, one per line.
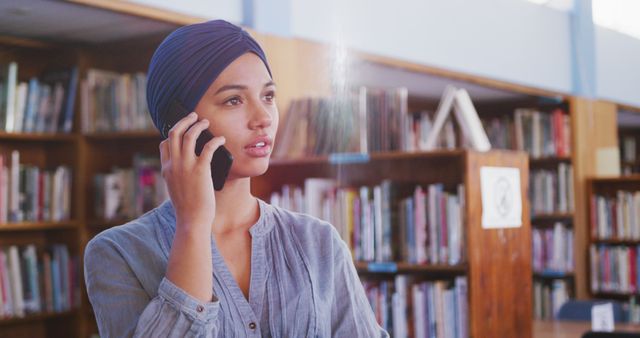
222 158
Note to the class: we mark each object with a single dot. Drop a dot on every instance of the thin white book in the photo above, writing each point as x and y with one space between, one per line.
16 281
377 202
536 134
7 291
10 107
470 122
418 311
15 214
3 288
21 102
4 190
363 136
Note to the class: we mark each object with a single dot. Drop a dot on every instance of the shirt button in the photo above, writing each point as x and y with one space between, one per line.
252 326
200 308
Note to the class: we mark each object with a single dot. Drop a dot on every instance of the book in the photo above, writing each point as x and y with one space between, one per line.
466 115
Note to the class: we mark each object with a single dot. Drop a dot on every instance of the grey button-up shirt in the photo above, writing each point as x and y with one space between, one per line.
303 283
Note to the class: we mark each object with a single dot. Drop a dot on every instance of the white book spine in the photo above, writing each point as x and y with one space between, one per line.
15 214
11 84
377 201
16 281
21 102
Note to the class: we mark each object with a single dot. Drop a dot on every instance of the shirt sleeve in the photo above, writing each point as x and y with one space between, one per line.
124 309
351 315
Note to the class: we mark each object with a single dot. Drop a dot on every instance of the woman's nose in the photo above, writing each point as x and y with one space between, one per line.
261 117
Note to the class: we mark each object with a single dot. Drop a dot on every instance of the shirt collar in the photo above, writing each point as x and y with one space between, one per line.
167 218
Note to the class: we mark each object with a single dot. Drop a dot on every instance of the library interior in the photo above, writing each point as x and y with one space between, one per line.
475 163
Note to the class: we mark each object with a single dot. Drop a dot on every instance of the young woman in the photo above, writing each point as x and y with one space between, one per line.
222 263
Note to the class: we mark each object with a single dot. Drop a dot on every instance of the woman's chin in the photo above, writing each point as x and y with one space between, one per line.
252 169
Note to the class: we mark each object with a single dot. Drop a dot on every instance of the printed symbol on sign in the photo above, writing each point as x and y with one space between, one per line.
503 196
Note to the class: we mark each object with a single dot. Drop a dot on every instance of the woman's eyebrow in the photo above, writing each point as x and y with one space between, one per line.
240 87
230 87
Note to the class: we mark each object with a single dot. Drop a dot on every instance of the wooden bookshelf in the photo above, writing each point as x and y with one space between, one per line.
496 259
609 187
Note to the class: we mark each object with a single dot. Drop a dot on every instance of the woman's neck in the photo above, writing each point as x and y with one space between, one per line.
236 208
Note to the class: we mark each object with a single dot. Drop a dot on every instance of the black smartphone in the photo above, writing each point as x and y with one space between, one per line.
222 158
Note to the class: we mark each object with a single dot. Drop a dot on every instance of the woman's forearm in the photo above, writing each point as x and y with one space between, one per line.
189 265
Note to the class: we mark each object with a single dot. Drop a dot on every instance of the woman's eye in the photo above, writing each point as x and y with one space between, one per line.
270 96
234 101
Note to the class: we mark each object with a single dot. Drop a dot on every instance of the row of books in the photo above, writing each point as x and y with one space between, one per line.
44 104
30 193
112 102
35 281
548 297
381 224
553 249
551 191
541 134
614 268
364 120
418 127
616 217
126 193
407 308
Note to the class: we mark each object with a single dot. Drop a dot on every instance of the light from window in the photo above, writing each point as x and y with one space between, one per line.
618 15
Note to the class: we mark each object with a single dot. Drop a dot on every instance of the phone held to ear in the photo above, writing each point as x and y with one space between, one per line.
222 158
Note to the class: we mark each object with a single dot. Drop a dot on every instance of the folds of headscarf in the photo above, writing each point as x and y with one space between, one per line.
188 61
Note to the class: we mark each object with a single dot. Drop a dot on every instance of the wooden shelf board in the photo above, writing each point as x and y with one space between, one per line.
38 137
23 42
402 267
557 216
635 178
381 156
34 226
37 317
616 295
553 275
535 161
110 136
616 241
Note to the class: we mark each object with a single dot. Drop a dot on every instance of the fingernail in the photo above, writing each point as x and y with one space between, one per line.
193 113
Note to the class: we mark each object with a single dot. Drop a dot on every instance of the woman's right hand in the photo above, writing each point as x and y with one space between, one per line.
188 176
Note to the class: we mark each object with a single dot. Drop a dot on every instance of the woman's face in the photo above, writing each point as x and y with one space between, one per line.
240 105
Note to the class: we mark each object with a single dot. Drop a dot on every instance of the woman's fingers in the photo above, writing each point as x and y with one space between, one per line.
192 134
176 133
209 148
164 151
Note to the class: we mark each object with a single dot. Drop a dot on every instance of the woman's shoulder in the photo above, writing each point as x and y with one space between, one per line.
131 236
311 232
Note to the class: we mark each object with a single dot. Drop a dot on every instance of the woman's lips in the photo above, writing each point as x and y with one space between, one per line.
260 147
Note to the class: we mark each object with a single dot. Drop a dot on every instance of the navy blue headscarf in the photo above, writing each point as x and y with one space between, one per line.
188 61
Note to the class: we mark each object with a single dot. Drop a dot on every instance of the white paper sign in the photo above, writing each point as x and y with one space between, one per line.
501 197
602 317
